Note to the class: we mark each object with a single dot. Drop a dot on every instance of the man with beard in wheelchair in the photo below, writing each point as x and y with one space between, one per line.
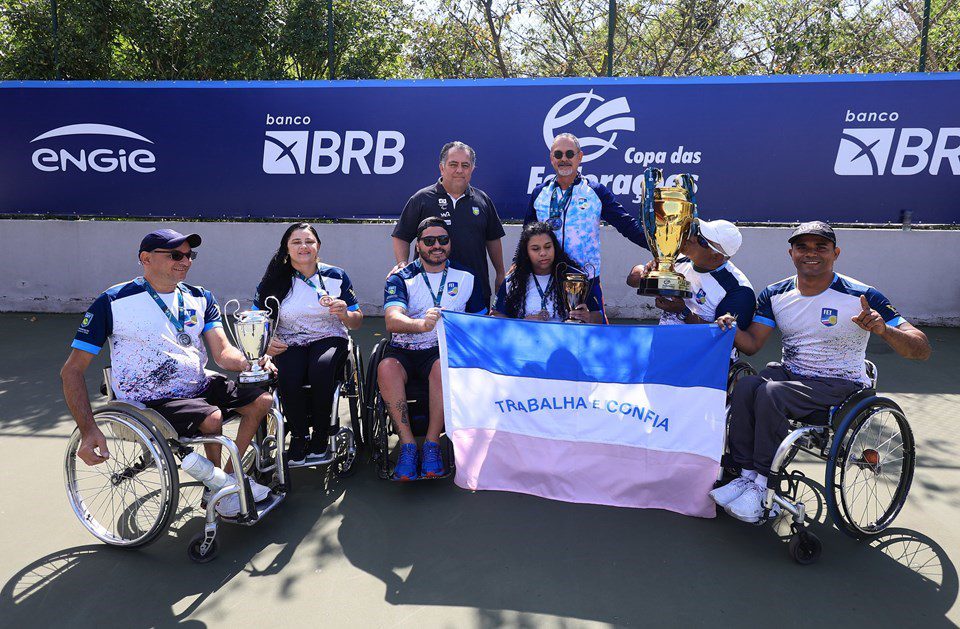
413 298
825 320
157 325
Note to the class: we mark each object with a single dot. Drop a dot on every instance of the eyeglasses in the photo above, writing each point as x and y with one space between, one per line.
177 256
432 240
570 154
706 244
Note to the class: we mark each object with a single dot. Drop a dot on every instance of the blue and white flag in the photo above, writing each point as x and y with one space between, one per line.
617 415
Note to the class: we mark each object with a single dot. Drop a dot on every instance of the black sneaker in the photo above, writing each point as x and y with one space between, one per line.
318 447
298 449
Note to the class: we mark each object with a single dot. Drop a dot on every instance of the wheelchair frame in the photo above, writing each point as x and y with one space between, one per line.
159 447
378 427
832 440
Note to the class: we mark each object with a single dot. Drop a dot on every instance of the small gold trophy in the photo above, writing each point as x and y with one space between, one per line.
576 286
667 217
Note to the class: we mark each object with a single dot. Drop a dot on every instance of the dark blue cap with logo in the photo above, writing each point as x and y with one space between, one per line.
168 239
814 228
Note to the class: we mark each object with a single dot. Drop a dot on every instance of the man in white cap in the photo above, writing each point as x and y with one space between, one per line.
718 286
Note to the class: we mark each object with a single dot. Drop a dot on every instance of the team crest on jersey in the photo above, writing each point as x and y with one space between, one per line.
828 317
453 288
582 203
476 211
87 318
701 296
191 316
391 290
442 202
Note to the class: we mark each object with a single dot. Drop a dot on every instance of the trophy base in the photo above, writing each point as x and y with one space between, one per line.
253 380
665 287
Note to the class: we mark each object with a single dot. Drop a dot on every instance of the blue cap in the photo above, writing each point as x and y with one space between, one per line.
168 239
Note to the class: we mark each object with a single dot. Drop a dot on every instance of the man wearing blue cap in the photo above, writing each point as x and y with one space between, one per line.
156 325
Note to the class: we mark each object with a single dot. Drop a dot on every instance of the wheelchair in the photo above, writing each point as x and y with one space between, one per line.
130 499
345 442
869 451
378 428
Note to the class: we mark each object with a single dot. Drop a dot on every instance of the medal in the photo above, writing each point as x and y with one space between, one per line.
443 284
179 321
544 315
555 223
326 300
558 207
184 339
322 295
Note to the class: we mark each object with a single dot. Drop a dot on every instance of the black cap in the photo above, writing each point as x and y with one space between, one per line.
814 228
168 239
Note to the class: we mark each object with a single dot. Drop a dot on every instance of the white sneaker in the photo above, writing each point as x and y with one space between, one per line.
229 507
731 491
749 506
260 492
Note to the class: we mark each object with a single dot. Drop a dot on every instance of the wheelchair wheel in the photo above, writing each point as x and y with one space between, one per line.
805 548
738 370
379 437
129 499
354 381
870 468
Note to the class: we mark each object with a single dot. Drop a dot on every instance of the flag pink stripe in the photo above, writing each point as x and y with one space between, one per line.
615 475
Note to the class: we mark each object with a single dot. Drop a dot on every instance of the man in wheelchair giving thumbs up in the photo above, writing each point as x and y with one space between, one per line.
825 320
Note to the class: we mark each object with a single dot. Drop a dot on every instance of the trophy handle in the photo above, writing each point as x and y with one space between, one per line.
228 324
274 316
652 178
687 182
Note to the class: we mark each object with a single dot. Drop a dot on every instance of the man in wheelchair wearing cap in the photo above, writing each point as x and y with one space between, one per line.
157 325
825 320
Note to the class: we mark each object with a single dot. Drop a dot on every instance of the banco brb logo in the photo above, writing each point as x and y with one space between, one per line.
607 118
876 150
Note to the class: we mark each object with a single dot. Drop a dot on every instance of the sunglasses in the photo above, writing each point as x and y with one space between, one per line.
706 244
432 240
569 154
177 256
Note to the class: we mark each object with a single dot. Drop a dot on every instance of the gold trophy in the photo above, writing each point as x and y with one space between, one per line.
667 216
576 286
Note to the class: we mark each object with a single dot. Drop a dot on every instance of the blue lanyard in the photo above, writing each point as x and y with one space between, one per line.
321 291
179 322
559 206
443 284
543 292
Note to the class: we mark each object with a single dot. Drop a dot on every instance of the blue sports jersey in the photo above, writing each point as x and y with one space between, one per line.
303 319
407 289
819 337
579 229
720 291
148 363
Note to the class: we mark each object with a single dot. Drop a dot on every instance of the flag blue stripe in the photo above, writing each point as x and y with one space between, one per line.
676 355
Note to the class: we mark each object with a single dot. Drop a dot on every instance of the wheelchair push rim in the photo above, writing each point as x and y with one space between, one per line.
129 499
871 475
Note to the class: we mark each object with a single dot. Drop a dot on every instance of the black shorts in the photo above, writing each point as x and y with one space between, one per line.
416 362
186 415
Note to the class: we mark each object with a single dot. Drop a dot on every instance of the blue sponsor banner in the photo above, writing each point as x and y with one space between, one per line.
845 149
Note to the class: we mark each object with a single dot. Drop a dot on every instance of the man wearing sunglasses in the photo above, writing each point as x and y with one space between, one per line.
157 325
574 206
413 299
718 286
471 218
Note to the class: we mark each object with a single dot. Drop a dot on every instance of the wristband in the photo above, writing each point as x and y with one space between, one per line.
684 314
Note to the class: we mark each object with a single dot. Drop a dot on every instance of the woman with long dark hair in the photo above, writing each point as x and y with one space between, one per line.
317 307
531 290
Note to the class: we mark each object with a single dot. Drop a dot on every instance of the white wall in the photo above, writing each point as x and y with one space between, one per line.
61 266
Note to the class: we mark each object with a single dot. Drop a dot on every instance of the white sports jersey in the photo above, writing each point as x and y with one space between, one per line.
407 289
819 338
724 290
147 361
302 319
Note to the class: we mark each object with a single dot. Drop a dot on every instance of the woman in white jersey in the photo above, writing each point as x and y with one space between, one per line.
531 290
317 307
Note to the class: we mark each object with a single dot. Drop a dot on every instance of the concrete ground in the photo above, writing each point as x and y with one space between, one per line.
363 552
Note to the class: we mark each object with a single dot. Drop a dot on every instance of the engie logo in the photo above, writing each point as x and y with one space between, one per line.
604 119
326 152
102 158
867 151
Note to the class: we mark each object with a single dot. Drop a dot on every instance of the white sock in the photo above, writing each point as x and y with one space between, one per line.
748 474
761 481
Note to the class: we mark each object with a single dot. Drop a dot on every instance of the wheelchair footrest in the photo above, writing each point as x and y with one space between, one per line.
264 507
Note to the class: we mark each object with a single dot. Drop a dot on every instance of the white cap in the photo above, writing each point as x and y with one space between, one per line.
724 234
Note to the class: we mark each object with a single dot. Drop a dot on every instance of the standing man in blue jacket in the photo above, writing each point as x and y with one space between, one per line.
574 206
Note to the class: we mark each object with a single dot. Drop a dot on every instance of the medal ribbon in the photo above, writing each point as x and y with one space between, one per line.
543 292
179 322
558 207
443 284
321 290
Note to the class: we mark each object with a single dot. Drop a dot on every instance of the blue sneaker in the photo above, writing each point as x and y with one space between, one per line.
432 466
406 468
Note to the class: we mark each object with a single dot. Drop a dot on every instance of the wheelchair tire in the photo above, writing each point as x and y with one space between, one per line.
379 438
129 499
737 371
870 468
193 550
805 548
354 373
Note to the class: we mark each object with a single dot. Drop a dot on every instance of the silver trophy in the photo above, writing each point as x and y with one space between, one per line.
252 331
